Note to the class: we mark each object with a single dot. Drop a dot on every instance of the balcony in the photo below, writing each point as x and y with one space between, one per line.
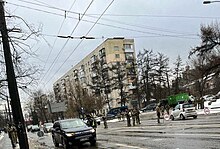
93 59
128 48
129 56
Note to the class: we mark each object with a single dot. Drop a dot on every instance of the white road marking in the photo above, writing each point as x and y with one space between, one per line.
129 146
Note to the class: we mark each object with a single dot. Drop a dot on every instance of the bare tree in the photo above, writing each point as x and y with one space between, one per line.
177 74
40 104
146 64
160 76
209 47
119 80
20 36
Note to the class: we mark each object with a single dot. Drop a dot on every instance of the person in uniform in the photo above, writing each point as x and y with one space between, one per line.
12 134
158 113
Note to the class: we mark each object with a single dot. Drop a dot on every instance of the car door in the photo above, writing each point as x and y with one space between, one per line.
176 111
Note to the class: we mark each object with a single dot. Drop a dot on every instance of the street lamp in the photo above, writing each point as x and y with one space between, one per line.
209 2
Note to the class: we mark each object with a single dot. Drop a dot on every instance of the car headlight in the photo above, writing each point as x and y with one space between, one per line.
92 130
70 134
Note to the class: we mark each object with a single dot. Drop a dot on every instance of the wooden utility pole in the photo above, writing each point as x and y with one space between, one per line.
12 84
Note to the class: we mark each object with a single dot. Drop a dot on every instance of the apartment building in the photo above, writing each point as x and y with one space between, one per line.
112 52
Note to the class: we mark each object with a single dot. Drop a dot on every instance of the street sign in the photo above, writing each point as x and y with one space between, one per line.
206 110
58 107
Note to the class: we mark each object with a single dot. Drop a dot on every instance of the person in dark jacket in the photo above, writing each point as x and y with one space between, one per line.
158 113
91 121
128 116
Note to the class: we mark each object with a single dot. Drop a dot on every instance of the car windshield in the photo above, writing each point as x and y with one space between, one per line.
188 105
72 123
35 126
49 124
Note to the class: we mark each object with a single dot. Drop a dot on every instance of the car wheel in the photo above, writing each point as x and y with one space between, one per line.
172 117
65 144
55 142
182 117
93 142
194 117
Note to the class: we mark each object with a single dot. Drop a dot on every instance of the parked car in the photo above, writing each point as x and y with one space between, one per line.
72 132
150 107
35 128
208 97
214 104
112 113
47 127
183 111
29 128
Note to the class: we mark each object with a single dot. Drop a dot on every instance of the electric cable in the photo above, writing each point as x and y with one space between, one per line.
67 40
80 41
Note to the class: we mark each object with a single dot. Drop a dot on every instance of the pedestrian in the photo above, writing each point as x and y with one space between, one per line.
119 116
158 113
133 116
128 116
123 115
105 122
91 121
167 107
12 134
138 116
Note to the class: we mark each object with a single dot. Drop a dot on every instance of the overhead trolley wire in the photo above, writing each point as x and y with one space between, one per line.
114 26
68 38
54 45
81 41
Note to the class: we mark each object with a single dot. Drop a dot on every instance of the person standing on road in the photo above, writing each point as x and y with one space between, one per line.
105 122
91 121
158 113
12 134
133 115
137 115
128 116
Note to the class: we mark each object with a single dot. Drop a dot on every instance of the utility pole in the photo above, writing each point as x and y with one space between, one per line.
12 84
9 111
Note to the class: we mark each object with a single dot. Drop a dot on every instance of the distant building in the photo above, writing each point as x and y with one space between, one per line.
113 51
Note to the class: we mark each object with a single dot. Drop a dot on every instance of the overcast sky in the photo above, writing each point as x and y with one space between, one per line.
167 26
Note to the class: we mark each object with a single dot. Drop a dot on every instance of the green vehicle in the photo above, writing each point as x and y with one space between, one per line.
175 99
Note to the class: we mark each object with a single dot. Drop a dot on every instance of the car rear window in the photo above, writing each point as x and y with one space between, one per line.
188 105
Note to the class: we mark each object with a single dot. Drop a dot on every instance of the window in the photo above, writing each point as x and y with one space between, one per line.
116 48
117 55
128 46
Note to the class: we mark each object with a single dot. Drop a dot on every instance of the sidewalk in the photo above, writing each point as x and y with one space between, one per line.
5 143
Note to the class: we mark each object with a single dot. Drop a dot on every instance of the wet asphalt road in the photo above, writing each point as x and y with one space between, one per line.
200 133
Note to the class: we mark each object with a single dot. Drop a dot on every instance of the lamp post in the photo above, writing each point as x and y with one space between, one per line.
209 2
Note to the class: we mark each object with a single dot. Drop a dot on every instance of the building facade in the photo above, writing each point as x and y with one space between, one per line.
105 71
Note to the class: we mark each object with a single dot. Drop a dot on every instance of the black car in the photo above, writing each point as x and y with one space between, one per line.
72 132
150 107
112 113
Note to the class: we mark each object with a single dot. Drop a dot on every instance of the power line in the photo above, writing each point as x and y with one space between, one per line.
54 44
81 40
93 16
108 24
158 16
124 15
68 38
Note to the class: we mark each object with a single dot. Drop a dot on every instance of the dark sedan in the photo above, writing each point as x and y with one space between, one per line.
72 132
150 107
